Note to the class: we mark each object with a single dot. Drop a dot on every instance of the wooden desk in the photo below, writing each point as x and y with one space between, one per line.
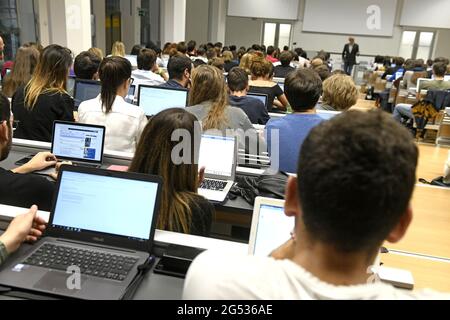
428 274
432 160
429 233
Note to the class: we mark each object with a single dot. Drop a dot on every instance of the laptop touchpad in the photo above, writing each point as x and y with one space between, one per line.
59 282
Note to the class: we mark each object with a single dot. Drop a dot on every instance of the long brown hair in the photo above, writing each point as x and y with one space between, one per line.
113 73
208 84
26 60
154 156
50 75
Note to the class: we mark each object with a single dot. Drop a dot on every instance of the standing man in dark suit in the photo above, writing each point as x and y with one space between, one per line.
351 50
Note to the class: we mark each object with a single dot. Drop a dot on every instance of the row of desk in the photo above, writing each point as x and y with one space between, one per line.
425 250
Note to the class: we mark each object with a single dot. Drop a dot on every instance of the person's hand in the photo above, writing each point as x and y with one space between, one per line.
201 175
54 175
285 252
39 162
26 227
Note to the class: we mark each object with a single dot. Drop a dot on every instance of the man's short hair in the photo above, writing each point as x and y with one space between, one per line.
356 177
86 65
439 69
146 59
191 46
303 89
182 47
177 65
286 58
237 79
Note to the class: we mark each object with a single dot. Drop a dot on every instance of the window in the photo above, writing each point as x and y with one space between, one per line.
277 34
9 28
417 44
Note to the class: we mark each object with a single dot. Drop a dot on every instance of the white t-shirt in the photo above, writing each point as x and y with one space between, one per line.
124 124
222 276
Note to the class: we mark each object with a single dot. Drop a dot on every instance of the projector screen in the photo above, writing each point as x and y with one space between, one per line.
350 17
429 14
265 9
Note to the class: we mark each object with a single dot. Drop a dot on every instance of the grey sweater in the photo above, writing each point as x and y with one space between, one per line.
237 119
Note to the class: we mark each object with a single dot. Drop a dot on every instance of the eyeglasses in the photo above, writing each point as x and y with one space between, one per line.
131 81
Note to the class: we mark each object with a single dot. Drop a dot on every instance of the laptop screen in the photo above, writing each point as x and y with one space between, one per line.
217 155
86 90
105 204
261 97
155 99
131 93
78 142
273 230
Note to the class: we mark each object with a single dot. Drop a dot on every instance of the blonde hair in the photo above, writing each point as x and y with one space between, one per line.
118 49
50 75
208 84
227 56
340 92
97 52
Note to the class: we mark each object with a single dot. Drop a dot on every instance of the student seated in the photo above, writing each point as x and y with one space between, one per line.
271 54
179 68
208 101
229 62
261 82
148 72
182 209
124 122
356 178
86 66
303 88
24 65
404 111
238 85
37 105
27 227
19 187
339 93
285 68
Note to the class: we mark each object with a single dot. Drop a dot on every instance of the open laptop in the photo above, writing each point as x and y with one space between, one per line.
153 99
101 227
218 155
85 90
264 98
271 228
327 115
82 144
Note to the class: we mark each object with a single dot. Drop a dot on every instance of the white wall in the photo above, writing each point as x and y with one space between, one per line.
173 20
442 44
78 25
243 31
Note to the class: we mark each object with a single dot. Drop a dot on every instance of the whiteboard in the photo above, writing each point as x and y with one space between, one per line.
428 14
265 9
350 17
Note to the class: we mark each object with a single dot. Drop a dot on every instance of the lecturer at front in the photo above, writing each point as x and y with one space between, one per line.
351 51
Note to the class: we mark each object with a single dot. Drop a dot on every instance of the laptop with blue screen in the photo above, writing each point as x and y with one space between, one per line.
101 229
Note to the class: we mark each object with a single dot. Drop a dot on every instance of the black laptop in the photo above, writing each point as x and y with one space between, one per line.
101 230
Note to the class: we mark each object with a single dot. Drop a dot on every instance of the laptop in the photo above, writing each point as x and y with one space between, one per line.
71 85
155 99
85 90
218 155
264 98
271 228
101 227
82 144
327 115
131 94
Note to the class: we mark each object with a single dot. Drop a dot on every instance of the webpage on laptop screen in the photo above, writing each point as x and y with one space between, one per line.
105 204
274 229
217 155
78 142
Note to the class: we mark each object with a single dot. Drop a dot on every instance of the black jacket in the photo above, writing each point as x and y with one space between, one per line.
350 57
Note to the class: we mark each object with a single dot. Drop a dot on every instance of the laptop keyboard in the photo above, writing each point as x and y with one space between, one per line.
86 165
91 263
215 185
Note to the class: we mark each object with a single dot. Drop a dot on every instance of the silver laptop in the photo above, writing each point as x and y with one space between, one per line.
271 228
218 155
82 144
101 230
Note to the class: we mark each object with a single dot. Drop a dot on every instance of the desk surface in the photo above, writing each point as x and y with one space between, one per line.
429 232
428 274
432 160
